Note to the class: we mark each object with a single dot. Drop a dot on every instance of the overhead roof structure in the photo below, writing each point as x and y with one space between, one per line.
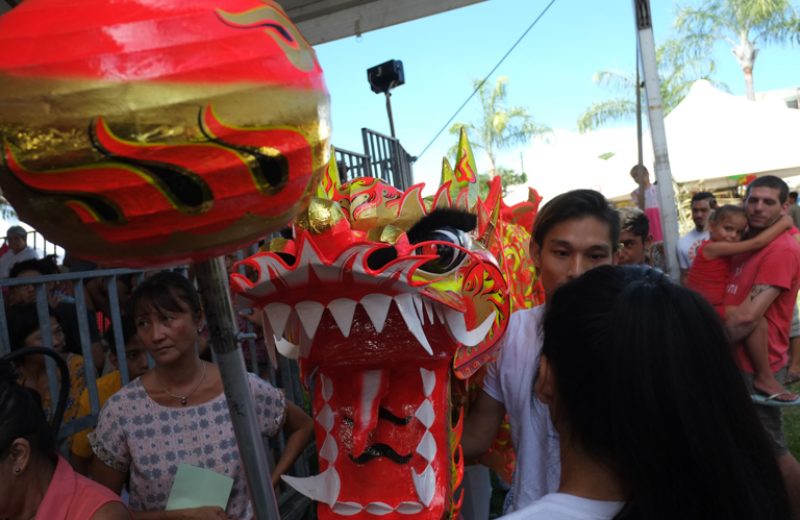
323 21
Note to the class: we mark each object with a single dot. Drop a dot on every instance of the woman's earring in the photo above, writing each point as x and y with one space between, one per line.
17 470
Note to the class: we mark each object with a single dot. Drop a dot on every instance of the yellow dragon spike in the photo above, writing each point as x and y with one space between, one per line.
331 182
465 173
447 172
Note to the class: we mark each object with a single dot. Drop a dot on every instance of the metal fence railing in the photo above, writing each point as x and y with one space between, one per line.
389 160
352 165
73 287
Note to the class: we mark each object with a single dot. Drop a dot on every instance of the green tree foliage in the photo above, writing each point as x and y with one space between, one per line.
677 71
742 24
499 128
6 211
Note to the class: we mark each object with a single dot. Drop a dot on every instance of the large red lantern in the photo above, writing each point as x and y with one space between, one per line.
146 132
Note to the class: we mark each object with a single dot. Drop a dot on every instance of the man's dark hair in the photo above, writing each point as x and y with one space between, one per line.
793 195
45 266
572 205
770 181
635 221
705 195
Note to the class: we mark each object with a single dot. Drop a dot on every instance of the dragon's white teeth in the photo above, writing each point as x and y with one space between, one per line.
327 387
425 413
428 380
437 308
379 508
458 328
424 484
376 508
377 307
342 310
323 488
309 313
330 450
287 348
278 315
429 310
420 307
409 508
408 311
325 418
347 508
427 447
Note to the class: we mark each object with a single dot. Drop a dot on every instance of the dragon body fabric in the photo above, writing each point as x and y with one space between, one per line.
390 301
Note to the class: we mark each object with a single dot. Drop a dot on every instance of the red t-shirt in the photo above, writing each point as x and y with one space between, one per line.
710 277
778 265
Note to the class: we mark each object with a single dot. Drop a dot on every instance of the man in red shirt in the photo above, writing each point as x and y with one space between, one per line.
765 283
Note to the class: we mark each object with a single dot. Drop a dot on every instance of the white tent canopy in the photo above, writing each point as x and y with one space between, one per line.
711 136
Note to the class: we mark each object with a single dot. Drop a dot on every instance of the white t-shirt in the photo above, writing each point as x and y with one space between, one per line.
560 506
509 380
687 247
10 258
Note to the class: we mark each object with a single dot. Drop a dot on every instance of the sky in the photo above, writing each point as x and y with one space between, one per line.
550 72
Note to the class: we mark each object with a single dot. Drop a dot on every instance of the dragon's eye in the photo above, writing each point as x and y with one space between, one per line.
438 242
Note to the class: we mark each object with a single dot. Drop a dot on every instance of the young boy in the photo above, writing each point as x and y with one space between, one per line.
81 453
711 272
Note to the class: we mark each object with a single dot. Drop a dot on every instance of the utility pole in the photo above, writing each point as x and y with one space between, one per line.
666 194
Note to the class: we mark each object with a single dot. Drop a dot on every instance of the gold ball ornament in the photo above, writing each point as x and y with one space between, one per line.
153 132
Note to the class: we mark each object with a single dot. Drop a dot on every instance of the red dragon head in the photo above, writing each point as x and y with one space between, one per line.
142 133
383 296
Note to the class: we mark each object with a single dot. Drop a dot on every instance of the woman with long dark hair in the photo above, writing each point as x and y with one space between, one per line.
653 417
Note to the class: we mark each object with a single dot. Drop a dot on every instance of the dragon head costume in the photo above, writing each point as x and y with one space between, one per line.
384 296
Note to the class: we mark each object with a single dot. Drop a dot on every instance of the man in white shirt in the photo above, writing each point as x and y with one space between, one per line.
703 203
18 250
573 233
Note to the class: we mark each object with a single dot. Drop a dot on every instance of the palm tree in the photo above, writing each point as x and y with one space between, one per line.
677 72
500 126
742 24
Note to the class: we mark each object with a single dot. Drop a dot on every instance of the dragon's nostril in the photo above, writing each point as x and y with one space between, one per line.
381 257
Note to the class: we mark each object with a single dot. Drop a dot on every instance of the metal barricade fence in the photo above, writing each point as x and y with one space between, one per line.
389 160
286 377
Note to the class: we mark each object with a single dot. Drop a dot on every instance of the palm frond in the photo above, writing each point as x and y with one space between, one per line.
603 112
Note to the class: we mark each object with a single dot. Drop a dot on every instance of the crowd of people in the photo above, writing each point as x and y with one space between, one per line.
629 395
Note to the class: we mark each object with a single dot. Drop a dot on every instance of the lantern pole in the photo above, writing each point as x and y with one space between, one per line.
655 111
212 281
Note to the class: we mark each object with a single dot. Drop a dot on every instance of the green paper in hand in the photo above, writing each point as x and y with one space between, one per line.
198 487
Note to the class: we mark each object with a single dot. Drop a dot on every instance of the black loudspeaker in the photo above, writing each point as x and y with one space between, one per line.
386 76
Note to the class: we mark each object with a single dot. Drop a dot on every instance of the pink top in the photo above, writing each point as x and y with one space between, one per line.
71 496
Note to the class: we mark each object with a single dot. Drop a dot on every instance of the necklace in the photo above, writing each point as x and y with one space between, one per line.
185 398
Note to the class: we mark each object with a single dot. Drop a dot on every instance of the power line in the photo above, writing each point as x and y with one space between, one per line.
477 88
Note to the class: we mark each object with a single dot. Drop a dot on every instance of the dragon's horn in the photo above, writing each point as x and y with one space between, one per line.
466 176
330 182
447 172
